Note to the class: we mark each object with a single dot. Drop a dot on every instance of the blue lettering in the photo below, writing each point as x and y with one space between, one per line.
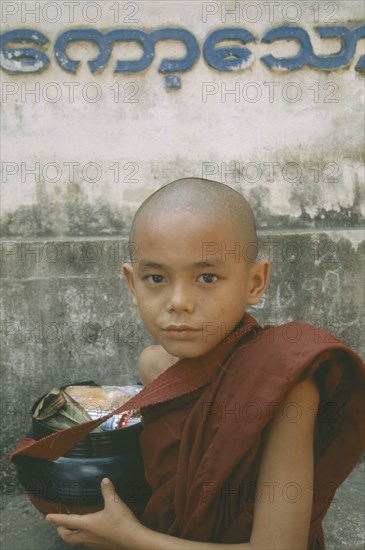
177 65
340 59
23 60
287 32
143 39
221 57
90 35
229 58
359 33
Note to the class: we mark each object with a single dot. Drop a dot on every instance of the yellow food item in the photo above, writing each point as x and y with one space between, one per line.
99 398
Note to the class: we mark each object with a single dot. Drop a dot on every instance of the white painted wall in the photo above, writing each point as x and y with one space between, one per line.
164 135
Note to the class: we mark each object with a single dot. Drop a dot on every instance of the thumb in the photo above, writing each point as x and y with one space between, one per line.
108 491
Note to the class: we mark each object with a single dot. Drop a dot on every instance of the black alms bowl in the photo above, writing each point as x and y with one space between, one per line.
72 482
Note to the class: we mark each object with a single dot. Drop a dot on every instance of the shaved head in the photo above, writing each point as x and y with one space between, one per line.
218 201
194 265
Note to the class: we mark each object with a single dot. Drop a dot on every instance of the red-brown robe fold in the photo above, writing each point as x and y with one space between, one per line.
202 450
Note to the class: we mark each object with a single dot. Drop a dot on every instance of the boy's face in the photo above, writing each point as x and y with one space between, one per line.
189 284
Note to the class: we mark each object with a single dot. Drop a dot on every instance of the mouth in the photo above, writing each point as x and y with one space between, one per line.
181 332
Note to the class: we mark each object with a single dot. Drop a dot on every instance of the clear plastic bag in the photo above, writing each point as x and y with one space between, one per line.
101 400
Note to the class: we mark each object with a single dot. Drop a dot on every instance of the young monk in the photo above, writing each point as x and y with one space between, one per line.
267 420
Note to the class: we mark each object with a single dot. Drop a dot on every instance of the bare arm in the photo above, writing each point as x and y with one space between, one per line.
153 361
282 511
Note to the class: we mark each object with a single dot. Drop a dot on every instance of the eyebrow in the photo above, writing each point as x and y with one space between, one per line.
145 264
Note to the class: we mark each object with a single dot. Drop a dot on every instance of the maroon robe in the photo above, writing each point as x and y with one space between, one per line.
202 450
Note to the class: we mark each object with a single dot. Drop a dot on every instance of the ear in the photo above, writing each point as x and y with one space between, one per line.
258 279
128 274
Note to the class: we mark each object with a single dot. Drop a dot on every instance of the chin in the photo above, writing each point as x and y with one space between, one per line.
183 352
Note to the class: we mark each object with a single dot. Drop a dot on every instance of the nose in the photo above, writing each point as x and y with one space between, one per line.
180 299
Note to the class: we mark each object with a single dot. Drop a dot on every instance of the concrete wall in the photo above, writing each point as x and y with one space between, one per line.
80 151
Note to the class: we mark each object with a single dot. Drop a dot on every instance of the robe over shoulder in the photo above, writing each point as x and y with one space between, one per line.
202 449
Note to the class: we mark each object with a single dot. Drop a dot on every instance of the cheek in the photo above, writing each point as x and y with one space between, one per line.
149 306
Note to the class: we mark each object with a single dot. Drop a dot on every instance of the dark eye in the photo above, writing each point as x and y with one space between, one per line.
157 279
208 278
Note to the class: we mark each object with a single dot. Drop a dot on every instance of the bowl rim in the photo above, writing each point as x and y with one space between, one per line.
42 430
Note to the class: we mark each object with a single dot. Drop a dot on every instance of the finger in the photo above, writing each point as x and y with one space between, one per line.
108 491
71 537
70 521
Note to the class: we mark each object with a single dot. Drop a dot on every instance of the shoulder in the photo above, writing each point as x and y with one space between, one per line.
287 350
300 404
153 361
297 410
297 332
292 429
302 391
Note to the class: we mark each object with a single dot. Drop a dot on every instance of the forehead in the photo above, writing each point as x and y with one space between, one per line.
187 227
